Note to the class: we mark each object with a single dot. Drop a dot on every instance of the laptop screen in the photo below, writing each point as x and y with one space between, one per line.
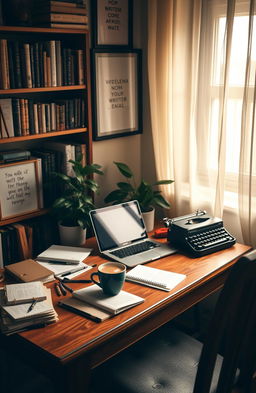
118 225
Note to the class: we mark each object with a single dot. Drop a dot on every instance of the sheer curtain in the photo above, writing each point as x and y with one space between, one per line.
201 70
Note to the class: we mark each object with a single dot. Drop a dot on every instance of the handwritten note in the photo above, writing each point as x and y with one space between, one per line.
19 190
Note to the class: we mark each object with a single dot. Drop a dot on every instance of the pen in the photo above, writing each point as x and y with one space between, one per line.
32 305
66 287
71 272
57 289
70 280
63 290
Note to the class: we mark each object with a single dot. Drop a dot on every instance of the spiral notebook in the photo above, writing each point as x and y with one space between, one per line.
156 278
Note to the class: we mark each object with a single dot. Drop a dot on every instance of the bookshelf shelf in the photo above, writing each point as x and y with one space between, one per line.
43 136
41 89
27 216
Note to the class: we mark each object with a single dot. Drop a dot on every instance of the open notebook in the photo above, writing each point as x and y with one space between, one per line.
155 278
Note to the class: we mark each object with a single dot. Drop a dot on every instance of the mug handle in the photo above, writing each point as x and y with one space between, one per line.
95 282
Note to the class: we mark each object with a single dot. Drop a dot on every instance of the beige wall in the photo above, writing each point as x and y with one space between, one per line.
135 151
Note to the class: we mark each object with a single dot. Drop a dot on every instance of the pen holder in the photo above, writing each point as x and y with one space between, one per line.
111 277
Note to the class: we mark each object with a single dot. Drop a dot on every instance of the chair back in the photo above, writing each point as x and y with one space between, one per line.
232 331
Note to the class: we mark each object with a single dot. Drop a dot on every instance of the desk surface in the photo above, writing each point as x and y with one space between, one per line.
76 338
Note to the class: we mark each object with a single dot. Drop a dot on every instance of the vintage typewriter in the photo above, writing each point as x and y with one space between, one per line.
198 234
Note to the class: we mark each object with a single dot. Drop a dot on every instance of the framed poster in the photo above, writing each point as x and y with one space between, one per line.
117 93
19 192
112 23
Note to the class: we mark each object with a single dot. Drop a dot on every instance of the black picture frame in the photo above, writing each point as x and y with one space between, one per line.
112 23
117 93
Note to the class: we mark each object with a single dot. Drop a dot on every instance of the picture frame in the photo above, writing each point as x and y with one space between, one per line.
19 192
117 93
112 23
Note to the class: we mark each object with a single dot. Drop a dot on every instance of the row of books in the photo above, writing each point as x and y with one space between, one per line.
40 64
26 239
60 14
25 305
20 116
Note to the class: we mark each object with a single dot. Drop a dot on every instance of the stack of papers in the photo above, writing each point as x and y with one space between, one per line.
65 260
19 316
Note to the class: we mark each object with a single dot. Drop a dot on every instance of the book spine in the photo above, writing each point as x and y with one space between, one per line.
28 66
31 117
11 64
5 81
70 18
53 63
36 126
53 116
80 66
6 120
32 63
26 117
58 63
17 65
16 116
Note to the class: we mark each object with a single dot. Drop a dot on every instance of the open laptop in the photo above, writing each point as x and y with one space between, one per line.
121 235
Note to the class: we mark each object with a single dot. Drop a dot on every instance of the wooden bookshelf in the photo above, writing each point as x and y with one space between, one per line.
69 38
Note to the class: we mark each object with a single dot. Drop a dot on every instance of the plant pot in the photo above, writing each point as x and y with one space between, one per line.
72 236
149 219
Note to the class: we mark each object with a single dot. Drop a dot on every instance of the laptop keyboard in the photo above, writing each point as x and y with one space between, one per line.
134 249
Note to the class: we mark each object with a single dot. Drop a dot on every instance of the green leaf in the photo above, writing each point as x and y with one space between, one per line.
163 182
116 196
125 186
124 169
161 201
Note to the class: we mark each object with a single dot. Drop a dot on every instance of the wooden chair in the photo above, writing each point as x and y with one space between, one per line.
169 361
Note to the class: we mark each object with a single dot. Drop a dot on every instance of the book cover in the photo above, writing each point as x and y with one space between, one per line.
68 254
86 310
29 270
112 304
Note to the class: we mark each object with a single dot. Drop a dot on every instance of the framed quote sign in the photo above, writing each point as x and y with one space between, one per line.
19 193
112 21
117 93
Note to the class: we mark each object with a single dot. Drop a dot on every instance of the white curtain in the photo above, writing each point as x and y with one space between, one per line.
201 71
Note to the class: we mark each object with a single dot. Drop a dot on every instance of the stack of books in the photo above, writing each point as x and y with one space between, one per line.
68 14
25 305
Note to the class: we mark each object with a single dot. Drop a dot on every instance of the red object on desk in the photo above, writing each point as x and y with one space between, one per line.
161 232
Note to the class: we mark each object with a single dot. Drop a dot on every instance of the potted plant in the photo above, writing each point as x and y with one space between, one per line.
144 193
72 208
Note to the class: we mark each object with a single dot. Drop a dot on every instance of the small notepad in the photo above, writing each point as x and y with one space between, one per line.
156 278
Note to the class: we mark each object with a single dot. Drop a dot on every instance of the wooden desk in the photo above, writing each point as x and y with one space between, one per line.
67 350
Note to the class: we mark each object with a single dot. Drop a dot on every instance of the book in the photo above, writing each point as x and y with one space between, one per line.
86 310
24 292
14 155
156 278
19 319
66 25
29 270
65 270
47 8
64 254
61 17
6 118
112 304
